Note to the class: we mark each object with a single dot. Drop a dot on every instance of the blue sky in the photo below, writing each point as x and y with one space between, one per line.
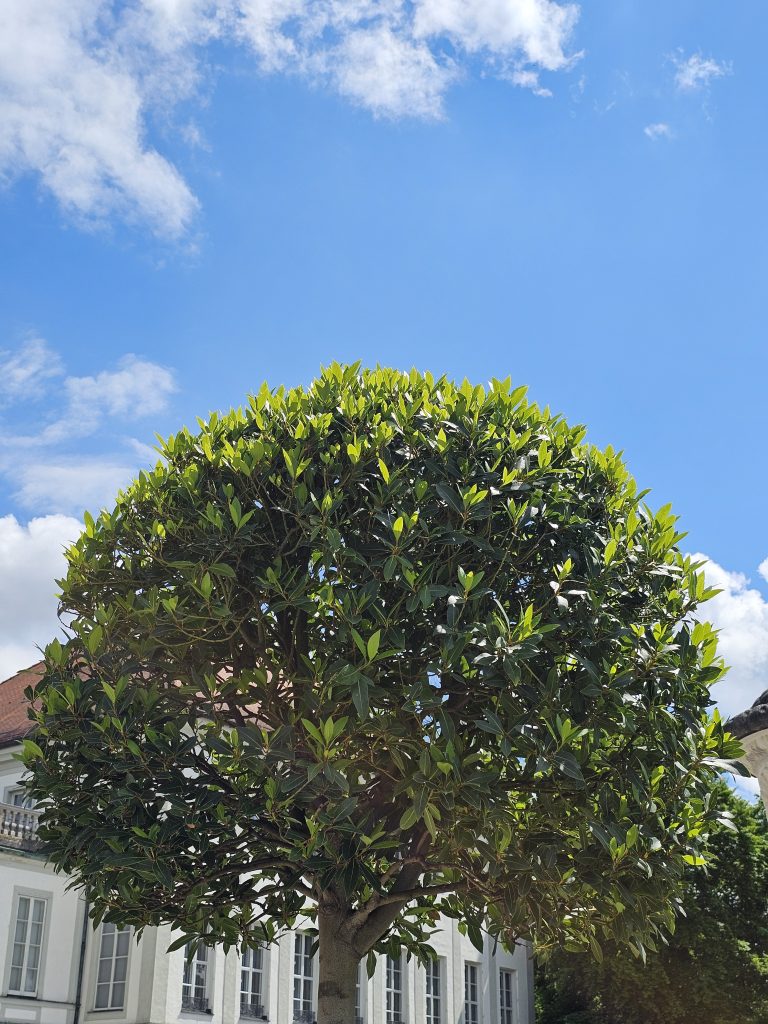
202 194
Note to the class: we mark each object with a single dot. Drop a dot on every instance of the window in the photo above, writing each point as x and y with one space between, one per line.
471 995
252 982
18 797
194 985
302 978
113 967
506 997
433 992
394 989
27 943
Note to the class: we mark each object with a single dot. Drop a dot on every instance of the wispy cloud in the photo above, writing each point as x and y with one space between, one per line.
138 388
660 130
71 484
78 79
40 465
25 372
695 73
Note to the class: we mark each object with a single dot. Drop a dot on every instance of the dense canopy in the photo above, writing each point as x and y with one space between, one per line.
382 644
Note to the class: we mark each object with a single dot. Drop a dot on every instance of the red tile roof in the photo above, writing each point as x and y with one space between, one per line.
14 723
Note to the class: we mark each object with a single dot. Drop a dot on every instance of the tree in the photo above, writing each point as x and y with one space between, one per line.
380 648
715 968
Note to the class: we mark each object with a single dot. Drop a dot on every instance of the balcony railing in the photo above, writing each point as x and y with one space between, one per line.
304 1017
18 827
255 1010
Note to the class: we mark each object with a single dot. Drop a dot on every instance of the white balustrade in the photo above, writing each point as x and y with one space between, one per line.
18 826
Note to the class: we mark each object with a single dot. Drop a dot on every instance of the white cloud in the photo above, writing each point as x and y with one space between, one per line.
23 373
42 468
78 79
73 102
763 569
69 484
533 31
31 559
696 72
138 388
658 131
388 74
740 612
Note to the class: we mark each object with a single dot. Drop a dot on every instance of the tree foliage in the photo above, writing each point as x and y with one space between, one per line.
715 967
392 645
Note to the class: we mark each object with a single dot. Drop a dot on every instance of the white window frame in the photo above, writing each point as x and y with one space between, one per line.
29 949
196 978
471 992
433 1002
110 929
507 995
17 796
394 990
303 977
254 966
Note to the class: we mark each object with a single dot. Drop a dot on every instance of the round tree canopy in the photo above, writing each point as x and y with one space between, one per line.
393 644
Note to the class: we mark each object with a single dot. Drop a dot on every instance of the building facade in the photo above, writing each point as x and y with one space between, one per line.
56 969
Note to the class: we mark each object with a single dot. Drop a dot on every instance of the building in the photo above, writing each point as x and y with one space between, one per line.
55 969
751 728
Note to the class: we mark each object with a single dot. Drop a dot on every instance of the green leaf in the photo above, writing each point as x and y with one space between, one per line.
313 731
373 645
568 765
222 569
360 695
360 643
408 819
30 750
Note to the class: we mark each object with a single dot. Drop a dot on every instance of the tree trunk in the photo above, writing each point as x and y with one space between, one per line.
339 964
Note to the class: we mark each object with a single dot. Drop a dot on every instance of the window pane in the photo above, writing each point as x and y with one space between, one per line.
113 967
27 940
118 996
121 967
506 991
105 972
394 989
107 940
22 921
302 974
471 1001
23 913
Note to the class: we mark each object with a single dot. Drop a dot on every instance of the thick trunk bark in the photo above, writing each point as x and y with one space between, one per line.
338 973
